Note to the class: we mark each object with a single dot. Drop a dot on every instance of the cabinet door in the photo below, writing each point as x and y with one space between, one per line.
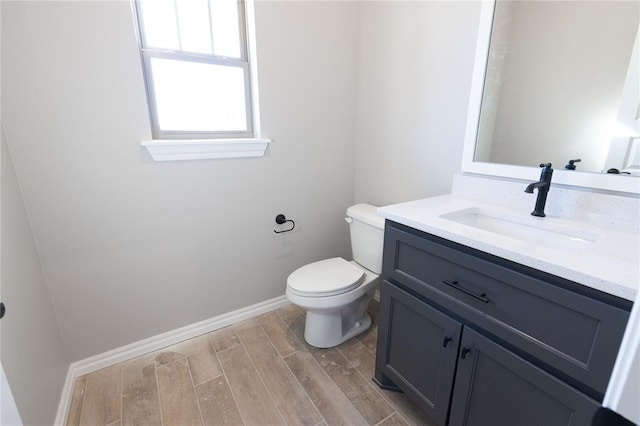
417 350
495 387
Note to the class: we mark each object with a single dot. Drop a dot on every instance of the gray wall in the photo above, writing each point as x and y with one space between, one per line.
131 248
365 101
414 76
33 356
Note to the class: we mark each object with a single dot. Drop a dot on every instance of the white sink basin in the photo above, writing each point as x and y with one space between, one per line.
536 231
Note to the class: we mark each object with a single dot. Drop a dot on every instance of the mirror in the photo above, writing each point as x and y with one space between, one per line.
556 81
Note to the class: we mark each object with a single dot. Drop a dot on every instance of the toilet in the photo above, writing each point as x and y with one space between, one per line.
335 292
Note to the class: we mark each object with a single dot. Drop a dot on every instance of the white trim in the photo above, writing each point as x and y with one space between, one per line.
204 149
9 414
151 344
629 109
623 389
252 54
65 399
477 83
604 181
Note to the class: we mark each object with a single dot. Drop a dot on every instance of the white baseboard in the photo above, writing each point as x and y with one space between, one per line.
65 399
145 346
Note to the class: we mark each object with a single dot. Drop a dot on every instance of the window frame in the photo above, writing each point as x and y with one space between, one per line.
243 62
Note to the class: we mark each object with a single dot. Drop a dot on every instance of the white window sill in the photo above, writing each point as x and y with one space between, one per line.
204 149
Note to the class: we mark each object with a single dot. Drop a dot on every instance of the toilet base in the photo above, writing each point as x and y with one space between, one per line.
326 329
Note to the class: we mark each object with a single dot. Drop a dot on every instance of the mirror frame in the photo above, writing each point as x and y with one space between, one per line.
600 181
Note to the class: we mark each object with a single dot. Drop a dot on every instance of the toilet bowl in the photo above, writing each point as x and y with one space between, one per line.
335 292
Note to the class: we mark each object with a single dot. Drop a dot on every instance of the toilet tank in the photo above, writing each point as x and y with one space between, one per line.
367 236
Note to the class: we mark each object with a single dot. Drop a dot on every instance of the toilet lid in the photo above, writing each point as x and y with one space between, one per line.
328 277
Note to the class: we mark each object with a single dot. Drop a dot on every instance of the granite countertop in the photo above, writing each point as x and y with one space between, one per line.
611 263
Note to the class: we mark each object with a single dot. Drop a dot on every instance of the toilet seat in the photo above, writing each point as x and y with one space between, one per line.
329 277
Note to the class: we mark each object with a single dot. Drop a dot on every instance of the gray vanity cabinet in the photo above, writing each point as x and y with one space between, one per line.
478 340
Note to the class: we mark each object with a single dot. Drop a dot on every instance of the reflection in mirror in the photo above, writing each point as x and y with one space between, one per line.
531 93
623 157
554 81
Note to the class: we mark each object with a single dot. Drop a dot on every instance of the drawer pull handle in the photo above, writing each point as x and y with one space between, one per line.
446 341
464 352
481 297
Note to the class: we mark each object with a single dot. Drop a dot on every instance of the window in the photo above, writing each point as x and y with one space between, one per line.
196 65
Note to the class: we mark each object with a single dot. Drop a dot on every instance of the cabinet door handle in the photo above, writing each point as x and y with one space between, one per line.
464 352
481 297
446 341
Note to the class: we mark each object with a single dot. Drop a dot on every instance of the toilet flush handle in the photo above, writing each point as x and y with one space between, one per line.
348 220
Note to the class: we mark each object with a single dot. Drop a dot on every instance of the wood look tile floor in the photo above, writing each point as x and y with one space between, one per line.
257 372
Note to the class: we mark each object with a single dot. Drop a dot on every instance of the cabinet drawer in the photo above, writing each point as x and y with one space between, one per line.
575 335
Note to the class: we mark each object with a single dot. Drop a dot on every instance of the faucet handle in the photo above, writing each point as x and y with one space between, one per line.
545 165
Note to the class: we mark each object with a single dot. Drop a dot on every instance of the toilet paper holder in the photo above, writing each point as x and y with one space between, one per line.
281 220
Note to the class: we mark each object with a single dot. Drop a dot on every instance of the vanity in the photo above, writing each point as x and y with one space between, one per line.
491 316
485 326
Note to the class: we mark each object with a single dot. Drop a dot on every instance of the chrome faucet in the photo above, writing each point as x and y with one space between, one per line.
543 189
